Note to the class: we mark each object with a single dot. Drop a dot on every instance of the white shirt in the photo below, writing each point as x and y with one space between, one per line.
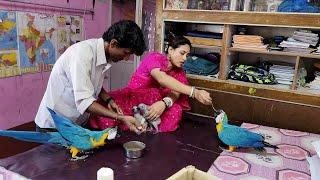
74 83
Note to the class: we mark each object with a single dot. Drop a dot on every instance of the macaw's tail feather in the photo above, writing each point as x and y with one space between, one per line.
269 145
29 136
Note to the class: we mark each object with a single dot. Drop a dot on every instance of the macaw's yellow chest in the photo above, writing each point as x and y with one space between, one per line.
219 127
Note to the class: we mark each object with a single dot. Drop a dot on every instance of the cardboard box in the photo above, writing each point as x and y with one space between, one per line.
192 173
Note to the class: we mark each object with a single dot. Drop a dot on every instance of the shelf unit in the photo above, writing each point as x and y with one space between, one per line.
277 53
290 101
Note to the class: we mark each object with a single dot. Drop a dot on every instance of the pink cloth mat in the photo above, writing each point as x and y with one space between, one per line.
287 162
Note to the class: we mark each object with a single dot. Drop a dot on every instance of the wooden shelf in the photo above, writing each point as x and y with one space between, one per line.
308 90
275 92
305 20
242 83
282 106
278 53
213 48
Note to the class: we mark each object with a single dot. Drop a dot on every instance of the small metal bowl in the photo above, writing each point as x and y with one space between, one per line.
134 149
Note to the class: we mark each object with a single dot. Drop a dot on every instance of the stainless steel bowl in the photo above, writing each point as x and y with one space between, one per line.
134 149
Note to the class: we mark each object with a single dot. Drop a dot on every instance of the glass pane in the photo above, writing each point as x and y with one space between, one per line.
198 4
148 22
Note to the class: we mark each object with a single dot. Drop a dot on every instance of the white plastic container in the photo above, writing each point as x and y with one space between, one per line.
105 174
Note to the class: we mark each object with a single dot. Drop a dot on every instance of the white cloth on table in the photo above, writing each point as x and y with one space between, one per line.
314 165
9 175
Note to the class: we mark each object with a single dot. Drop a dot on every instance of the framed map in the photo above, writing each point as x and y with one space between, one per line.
37 38
32 42
8 44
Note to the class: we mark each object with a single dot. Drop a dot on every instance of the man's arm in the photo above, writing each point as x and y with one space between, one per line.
108 100
104 96
98 109
130 121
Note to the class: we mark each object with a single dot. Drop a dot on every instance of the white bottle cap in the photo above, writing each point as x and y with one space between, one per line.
105 174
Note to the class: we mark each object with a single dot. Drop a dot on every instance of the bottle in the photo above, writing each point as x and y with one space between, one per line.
105 174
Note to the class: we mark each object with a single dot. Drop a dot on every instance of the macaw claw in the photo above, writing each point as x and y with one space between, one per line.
232 148
76 158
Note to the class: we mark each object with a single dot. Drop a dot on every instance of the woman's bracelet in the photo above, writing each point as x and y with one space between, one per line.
192 93
164 103
167 101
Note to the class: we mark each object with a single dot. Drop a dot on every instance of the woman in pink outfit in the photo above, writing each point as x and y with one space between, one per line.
161 83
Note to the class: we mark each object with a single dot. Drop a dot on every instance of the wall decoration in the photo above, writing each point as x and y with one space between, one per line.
76 29
8 44
37 41
63 33
69 31
31 42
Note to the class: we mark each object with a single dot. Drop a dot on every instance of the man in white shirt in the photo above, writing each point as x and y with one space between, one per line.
76 79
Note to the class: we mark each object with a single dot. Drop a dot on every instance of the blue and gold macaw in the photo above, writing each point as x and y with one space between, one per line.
69 135
235 136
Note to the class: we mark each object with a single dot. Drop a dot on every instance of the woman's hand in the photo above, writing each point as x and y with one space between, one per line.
155 110
114 107
132 123
203 96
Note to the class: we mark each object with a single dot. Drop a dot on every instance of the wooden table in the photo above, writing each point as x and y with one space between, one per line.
194 143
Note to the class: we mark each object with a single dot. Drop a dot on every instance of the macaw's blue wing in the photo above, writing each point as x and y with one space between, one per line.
77 135
38 137
240 137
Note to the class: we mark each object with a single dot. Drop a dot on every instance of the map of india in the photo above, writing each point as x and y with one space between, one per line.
37 39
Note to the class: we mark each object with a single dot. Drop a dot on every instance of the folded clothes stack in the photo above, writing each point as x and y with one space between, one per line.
300 42
283 74
249 42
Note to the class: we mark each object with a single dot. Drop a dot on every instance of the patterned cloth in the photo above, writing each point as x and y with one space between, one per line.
252 74
142 88
287 162
9 175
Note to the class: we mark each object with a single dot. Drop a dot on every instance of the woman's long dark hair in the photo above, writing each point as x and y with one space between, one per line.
176 41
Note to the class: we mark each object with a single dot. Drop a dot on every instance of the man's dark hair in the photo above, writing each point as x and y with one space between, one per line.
128 34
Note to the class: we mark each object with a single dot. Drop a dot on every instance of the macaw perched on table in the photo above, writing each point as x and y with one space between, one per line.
69 135
235 136
81 139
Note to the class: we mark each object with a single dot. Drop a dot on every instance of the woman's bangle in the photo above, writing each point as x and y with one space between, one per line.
164 103
192 92
168 101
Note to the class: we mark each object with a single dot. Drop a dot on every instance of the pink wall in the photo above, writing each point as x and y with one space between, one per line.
20 96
